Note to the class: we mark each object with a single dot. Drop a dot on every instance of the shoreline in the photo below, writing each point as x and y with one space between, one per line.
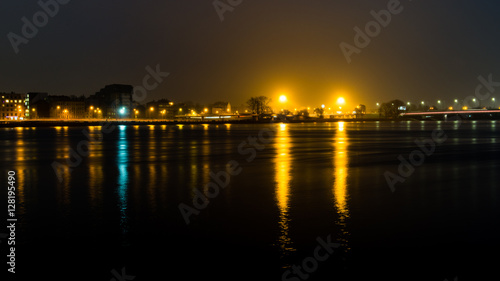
100 122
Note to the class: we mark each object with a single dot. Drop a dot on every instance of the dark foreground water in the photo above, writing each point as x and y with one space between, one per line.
300 202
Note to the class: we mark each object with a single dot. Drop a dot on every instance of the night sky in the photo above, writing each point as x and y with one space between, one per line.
430 50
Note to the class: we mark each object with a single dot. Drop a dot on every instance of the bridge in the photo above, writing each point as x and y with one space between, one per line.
472 114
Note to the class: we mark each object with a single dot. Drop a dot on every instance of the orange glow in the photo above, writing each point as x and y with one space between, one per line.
283 178
340 163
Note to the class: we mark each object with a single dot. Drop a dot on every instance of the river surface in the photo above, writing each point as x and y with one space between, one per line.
316 201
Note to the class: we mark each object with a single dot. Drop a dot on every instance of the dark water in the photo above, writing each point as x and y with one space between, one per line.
119 207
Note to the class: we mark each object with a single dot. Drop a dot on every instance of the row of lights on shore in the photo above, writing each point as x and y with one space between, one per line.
439 103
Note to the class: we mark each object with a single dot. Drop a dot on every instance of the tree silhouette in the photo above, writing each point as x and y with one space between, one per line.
259 105
319 111
391 109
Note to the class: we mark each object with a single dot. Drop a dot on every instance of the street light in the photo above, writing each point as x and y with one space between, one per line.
283 98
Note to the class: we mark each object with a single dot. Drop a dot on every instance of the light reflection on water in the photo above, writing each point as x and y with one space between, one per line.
315 179
341 172
283 178
123 180
20 174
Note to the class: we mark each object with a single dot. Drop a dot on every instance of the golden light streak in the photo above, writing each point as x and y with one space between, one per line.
340 184
283 177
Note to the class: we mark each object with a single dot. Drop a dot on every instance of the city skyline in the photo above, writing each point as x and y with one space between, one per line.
425 50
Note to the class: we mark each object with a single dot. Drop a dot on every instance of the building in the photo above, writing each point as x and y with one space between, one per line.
113 101
161 109
219 108
64 107
37 105
13 106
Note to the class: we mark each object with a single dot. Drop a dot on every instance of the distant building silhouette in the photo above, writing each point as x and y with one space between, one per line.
38 106
114 101
221 108
161 109
64 107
